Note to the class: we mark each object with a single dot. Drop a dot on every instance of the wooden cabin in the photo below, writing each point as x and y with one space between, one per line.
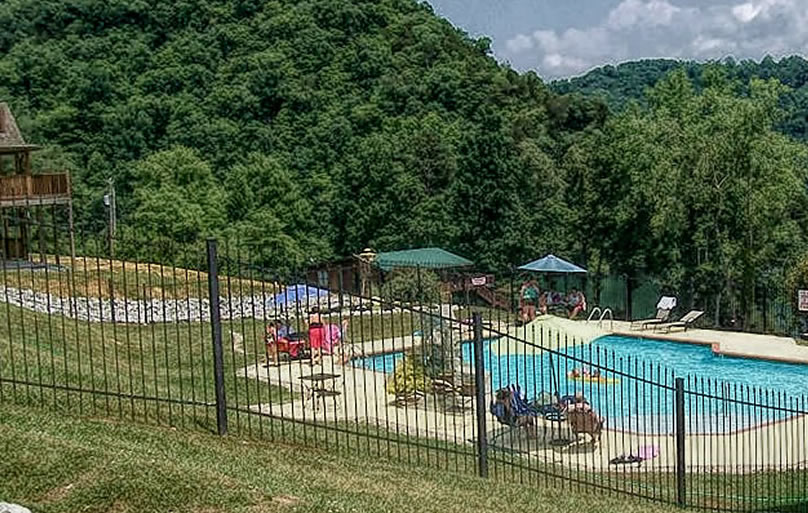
22 192
352 275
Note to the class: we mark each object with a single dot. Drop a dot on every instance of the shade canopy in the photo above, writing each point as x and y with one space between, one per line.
299 294
553 264
427 258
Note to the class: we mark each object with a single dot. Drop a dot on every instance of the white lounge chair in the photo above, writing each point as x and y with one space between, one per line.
665 306
685 322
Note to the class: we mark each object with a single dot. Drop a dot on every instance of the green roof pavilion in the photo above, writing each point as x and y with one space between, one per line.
427 258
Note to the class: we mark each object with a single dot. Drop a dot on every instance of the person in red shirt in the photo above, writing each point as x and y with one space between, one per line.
316 336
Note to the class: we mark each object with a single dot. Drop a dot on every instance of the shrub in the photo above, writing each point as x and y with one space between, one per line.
409 376
407 286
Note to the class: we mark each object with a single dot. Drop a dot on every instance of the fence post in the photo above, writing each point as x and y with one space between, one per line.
479 385
765 310
681 485
216 337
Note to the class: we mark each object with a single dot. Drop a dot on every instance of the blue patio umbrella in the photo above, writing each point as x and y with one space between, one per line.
553 265
299 294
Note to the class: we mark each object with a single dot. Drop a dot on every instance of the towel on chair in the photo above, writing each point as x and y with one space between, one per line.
666 303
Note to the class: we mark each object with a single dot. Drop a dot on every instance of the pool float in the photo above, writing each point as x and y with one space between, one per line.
594 379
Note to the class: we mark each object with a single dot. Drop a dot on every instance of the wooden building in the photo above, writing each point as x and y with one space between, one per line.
25 196
355 275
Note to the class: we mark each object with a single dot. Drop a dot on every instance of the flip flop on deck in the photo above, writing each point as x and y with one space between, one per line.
644 453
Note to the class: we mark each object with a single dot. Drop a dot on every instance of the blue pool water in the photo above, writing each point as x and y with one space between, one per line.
643 400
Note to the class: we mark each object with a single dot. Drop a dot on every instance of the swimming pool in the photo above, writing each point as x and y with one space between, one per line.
637 402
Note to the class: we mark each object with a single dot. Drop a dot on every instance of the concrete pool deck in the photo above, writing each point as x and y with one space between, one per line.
551 332
364 402
728 343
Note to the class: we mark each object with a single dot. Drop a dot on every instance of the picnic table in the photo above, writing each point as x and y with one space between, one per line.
320 385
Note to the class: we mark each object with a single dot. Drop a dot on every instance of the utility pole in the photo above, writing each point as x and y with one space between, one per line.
109 201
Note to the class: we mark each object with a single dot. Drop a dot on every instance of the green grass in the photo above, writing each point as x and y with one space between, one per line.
170 362
55 464
173 361
102 277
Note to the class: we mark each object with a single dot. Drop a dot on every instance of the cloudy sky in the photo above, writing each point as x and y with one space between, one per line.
561 38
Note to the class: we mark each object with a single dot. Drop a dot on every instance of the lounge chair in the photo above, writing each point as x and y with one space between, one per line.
685 322
661 318
512 409
665 306
410 398
461 388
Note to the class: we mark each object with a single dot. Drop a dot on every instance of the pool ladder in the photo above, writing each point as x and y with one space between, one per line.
603 314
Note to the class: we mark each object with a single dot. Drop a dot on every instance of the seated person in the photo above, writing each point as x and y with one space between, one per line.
543 303
335 341
281 338
316 336
576 302
583 372
579 403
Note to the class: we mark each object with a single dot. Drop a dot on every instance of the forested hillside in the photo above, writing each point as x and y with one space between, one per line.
315 128
312 128
618 85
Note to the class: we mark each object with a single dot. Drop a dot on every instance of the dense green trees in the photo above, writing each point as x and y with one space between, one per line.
621 84
315 128
704 194
311 129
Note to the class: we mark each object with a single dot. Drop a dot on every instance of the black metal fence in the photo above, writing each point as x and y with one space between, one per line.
223 345
768 309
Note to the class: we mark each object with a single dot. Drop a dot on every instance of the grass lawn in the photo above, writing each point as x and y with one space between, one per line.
86 366
102 277
169 361
55 463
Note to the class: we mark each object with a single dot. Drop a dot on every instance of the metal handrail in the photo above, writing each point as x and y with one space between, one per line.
593 313
611 318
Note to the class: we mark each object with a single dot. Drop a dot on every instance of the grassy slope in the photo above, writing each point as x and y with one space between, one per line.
62 464
167 361
102 277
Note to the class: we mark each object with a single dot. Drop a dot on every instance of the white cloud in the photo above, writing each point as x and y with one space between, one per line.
630 13
520 43
748 11
705 45
636 29
558 61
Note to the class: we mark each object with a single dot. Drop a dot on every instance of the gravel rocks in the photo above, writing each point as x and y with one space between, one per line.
153 311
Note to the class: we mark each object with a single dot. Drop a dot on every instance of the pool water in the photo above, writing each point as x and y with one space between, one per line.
642 398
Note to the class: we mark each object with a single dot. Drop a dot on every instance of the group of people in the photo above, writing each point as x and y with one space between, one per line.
511 408
533 301
321 338
584 373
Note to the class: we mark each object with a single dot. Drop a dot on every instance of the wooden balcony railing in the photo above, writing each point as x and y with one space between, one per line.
48 187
